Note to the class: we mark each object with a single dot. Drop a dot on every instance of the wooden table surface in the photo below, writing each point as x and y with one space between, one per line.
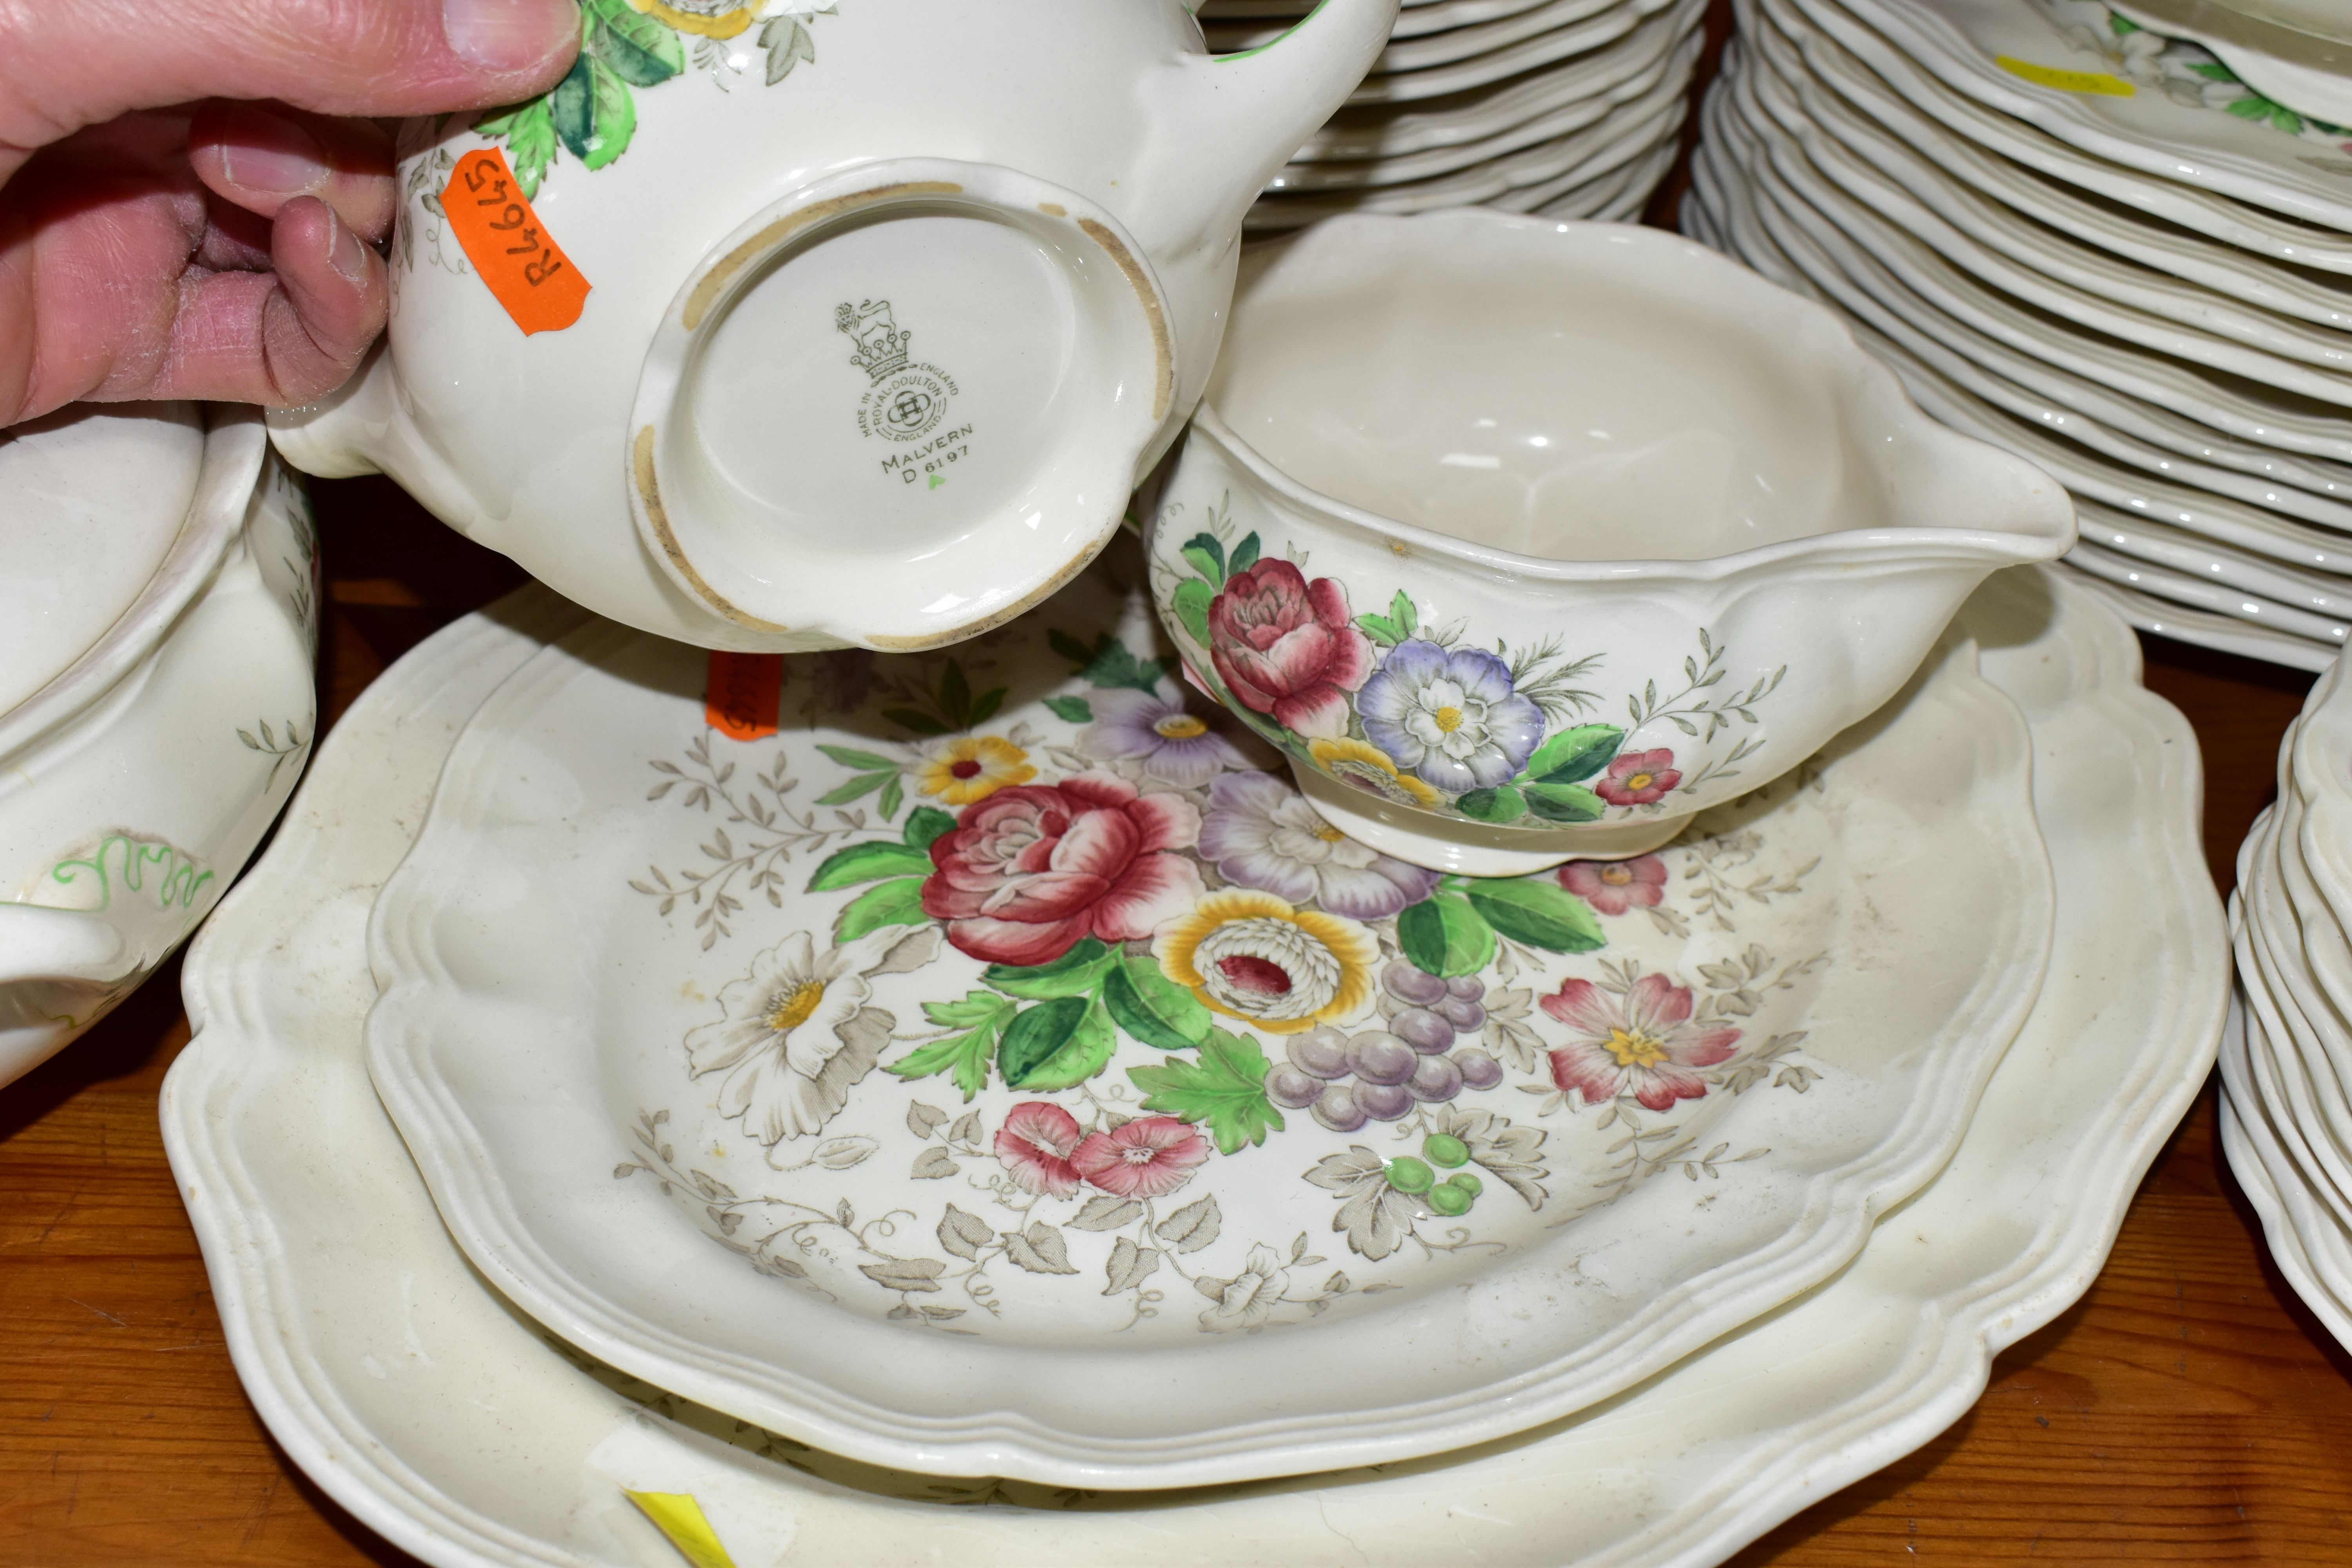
2188 1409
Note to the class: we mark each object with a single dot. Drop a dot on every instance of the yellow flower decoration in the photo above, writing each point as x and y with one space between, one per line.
1254 957
1367 768
974 767
725 23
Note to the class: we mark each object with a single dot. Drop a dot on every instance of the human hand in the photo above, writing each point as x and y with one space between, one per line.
163 235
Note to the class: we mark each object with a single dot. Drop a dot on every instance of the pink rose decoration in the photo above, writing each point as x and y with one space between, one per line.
1288 646
1027 874
1637 778
1147 1158
1036 1144
1645 1045
1612 887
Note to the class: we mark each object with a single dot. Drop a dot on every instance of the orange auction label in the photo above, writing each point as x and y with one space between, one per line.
509 244
742 694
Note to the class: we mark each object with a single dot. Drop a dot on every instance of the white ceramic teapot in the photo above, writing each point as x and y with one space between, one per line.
776 328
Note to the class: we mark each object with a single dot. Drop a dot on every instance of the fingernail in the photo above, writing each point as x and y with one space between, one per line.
507 35
264 153
345 254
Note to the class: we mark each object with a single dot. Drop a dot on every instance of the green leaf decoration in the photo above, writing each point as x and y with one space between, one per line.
869 863
984 706
977 1007
1564 802
955 696
898 903
788 44
1057 1044
863 784
926 824
1381 629
1245 557
894 795
1401 611
593 113
528 131
1152 1008
1108 663
1076 710
1443 934
1224 1088
1542 914
640 50
1192 599
1076 973
1504 805
1574 755
968 1055
920 722
1208 558
851 757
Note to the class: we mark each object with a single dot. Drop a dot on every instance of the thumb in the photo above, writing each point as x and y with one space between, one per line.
67 64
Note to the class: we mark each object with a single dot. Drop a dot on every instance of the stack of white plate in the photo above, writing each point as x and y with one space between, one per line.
2286 1062
2091 243
707 1169
1568 107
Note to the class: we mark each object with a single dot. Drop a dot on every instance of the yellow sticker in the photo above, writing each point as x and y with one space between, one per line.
680 1517
2098 82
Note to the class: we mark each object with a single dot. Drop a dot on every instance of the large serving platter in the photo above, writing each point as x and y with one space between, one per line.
419 1399
885 1151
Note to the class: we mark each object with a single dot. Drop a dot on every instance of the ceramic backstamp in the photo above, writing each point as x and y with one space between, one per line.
1073 1013
1453 718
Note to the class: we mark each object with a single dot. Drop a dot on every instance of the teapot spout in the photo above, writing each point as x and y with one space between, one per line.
1231 120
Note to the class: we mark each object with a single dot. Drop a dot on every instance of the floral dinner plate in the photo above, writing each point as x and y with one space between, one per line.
420 1399
1001 1071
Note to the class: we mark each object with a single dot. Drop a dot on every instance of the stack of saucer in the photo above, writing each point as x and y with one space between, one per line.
2286 1063
1567 108
2087 242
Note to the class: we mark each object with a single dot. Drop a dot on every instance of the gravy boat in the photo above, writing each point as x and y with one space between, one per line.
1527 540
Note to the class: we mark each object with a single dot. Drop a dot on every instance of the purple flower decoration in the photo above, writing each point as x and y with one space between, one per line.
1450 715
844 677
1152 728
1263 834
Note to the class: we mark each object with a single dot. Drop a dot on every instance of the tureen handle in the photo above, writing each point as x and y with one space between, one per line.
41 943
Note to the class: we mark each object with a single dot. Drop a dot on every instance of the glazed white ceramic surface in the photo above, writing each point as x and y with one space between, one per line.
1413 129
1712 459
1874 124
135 781
424 1403
2284 1204
94 501
890 304
2302 562
1485 69
1959 42
2219 541
2299 56
2037 263
810 1321
2202 211
1504 156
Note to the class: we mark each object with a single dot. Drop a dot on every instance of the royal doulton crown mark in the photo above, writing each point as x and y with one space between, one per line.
881 346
